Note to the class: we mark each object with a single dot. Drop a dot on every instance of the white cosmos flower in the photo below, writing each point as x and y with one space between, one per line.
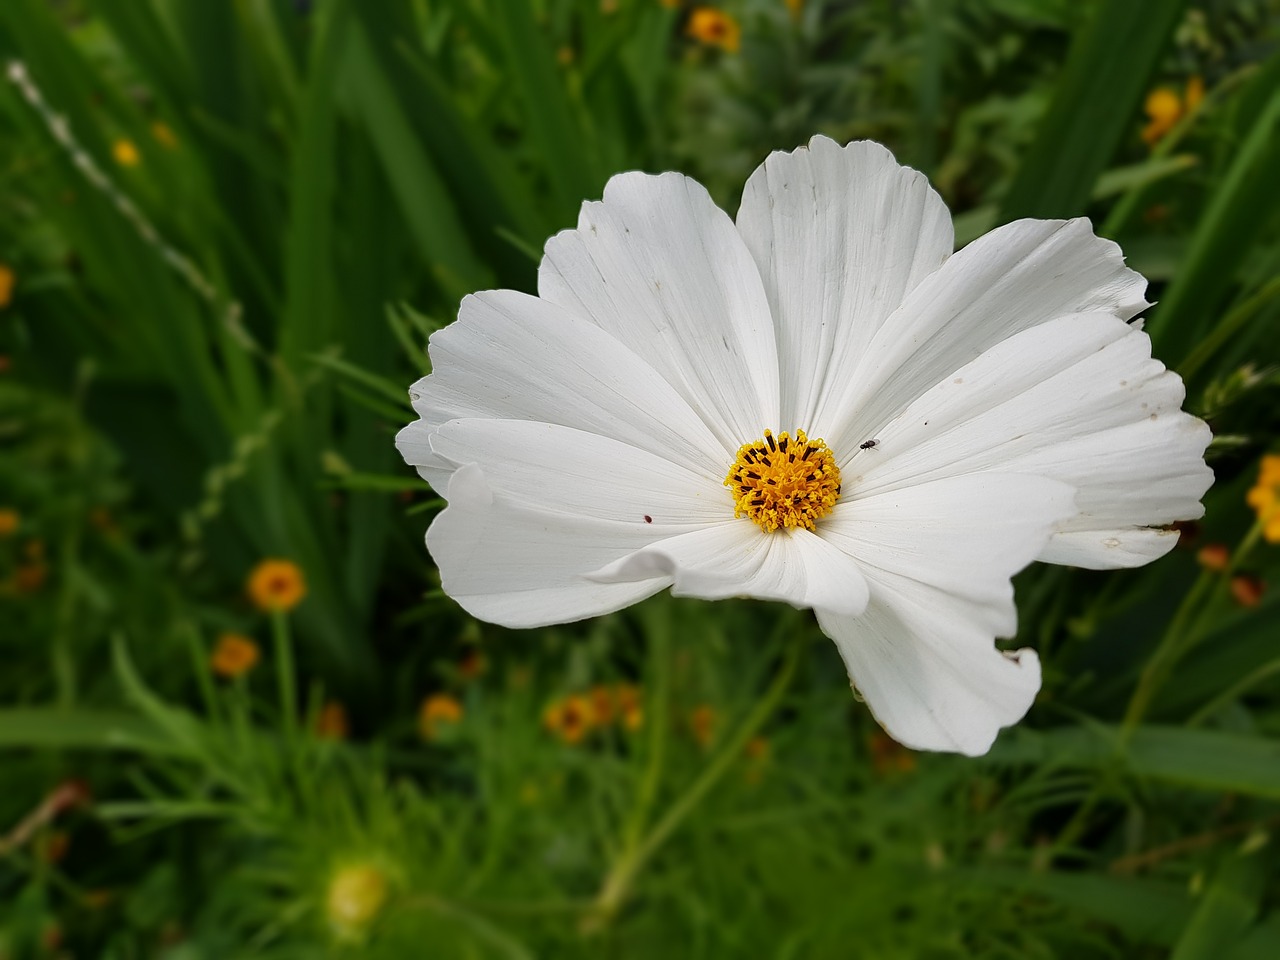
583 437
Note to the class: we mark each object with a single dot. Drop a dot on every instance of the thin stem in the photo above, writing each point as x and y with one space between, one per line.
285 672
658 617
617 885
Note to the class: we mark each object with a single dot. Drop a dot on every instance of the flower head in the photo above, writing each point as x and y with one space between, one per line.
234 655
277 585
977 411
332 722
10 521
569 719
715 28
438 713
1265 497
125 153
1164 108
355 896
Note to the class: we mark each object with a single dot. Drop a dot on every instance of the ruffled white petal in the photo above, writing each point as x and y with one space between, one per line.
534 507
938 558
1014 278
841 236
513 356
662 269
738 559
517 567
1078 399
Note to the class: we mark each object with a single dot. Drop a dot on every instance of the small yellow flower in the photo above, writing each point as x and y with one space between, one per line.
7 280
233 656
715 28
1265 497
438 712
702 724
276 585
356 896
164 135
332 723
794 6
569 719
10 520
125 153
1164 108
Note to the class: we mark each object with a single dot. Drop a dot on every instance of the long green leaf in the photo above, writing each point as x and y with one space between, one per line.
1200 759
1096 98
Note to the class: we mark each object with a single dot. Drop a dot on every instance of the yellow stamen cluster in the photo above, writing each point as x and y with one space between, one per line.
784 481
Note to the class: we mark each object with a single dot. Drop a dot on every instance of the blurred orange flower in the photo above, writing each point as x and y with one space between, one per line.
1247 589
234 655
715 28
7 281
276 585
1164 108
1265 497
438 711
332 723
10 520
1214 556
569 719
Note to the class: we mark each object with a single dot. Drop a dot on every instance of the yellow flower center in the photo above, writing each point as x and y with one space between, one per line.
784 481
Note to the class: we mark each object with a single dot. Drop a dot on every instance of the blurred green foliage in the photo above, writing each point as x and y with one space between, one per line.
214 217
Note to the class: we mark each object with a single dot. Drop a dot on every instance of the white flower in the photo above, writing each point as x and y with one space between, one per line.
979 410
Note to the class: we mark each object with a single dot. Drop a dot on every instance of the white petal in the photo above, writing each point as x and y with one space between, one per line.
559 470
938 558
414 443
738 559
542 505
512 356
1078 399
841 236
661 268
515 566
1014 278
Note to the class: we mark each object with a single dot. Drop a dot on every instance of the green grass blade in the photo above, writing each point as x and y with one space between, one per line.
1097 96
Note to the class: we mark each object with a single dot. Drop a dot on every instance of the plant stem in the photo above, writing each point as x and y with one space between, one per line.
618 883
285 673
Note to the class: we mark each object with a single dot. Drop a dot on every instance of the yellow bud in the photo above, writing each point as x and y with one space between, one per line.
357 894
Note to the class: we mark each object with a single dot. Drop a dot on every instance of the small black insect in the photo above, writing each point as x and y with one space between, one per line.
648 519
868 444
